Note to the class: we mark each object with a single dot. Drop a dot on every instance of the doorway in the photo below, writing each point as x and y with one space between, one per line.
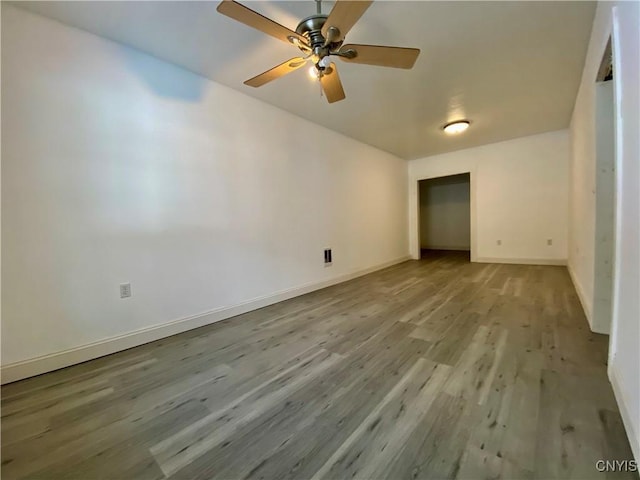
445 216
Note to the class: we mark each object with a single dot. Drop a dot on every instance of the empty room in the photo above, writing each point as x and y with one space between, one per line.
320 240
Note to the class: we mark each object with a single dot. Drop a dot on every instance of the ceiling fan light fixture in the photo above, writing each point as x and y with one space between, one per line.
456 127
320 36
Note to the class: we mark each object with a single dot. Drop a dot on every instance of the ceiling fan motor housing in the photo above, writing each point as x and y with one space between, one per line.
311 29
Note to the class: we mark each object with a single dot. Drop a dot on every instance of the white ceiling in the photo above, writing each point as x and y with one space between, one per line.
512 68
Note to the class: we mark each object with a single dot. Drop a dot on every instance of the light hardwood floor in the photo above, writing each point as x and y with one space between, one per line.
431 369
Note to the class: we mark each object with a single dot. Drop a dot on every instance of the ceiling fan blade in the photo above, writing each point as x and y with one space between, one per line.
331 84
276 72
344 15
253 19
396 57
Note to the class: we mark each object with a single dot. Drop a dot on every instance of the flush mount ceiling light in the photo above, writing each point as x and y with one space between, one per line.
456 127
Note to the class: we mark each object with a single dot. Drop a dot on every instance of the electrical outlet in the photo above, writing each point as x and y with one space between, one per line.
327 257
549 241
498 242
125 290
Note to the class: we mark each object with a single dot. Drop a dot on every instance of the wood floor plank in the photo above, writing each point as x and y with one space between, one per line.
437 444
397 411
438 368
327 409
175 452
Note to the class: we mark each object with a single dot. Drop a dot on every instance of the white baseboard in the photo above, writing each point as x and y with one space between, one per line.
523 261
623 400
440 247
586 305
47 363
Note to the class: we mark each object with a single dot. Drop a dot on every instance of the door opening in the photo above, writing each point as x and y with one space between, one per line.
445 215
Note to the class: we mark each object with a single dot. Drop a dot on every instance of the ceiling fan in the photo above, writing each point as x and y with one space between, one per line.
319 37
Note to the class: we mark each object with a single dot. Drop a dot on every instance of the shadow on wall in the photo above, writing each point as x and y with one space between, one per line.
165 79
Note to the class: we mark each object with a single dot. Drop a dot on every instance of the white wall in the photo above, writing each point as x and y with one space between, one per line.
518 195
445 216
624 361
118 167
